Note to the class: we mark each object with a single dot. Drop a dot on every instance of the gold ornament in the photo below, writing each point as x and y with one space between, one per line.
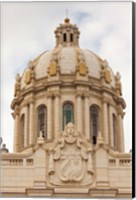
82 69
28 76
107 76
53 68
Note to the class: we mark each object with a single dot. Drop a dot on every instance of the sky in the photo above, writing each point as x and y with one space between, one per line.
27 30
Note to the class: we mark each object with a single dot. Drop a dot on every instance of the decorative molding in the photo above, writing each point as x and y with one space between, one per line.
53 68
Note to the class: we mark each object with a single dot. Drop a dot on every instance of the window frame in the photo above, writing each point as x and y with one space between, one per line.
64 120
22 127
94 122
42 116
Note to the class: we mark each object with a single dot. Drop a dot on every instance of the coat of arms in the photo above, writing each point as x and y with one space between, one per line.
70 160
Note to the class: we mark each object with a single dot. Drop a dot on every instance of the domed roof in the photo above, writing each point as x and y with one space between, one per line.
67 55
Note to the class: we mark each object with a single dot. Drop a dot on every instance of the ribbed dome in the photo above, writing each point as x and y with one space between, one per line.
68 58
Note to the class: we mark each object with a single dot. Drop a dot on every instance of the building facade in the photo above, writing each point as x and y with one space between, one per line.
68 131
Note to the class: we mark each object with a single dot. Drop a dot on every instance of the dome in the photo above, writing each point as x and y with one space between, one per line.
68 59
67 84
68 56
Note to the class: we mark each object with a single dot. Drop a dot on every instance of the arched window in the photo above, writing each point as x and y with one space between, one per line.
22 129
42 121
68 114
94 123
71 37
64 37
114 120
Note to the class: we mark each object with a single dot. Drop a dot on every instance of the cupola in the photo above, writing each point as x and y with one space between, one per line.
67 34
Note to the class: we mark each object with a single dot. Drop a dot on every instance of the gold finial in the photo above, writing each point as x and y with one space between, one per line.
67 20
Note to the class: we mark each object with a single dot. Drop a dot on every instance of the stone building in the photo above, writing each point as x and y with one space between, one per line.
68 131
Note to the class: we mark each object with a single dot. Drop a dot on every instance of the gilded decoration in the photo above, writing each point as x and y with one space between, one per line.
28 76
29 73
53 63
53 68
82 69
107 76
70 161
82 64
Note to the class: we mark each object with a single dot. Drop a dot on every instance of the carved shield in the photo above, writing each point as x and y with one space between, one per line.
71 168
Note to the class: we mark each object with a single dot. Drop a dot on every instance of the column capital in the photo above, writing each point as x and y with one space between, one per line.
56 94
49 95
16 111
106 100
79 94
120 112
86 95
31 100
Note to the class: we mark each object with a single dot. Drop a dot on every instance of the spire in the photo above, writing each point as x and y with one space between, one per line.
67 34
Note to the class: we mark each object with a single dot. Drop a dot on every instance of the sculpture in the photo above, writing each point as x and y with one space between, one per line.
118 84
70 160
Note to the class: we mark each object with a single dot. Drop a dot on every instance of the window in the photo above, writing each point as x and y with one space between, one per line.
22 129
114 130
68 114
42 121
64 37
71 37
94 122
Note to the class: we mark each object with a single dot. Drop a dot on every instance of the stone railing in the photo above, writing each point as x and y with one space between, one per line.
112 162
16 162
29 162
124 162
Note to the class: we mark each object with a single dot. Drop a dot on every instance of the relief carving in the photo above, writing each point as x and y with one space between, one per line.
70 160
29 73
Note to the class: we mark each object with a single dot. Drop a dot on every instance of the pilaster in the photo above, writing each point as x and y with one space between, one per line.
57 115
16 130
120 130
86 117
105 121
26 126
49 117
79 113
31 123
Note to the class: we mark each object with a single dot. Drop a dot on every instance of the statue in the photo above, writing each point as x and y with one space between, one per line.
118 84
17 85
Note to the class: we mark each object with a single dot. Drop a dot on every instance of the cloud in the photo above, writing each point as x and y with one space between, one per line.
27 31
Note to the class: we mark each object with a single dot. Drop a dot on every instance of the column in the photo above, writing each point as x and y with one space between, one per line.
87 117
111 127
31 123
57 115
105 123
120 132
16 130
79 118
26 126
49 118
